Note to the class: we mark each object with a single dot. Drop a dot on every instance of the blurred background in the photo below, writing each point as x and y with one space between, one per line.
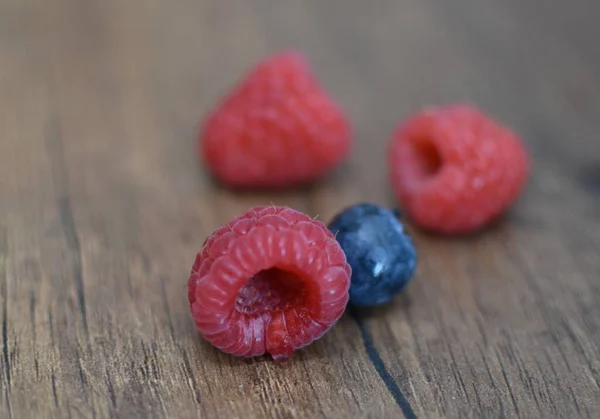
103 206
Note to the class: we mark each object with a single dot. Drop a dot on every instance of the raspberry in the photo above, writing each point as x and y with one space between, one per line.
454 169
382 256
277 128
272 280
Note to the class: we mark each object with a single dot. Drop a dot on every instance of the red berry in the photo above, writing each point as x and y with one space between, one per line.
271 280
454 169
277 128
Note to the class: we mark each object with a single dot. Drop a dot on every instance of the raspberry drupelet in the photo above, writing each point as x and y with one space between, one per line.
270 281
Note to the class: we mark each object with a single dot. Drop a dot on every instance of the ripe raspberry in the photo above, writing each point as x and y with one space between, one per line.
272 280
455 169
277 128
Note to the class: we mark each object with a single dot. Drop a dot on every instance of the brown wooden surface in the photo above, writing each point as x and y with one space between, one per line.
103 206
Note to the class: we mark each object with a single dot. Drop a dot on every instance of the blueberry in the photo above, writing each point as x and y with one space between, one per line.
381 254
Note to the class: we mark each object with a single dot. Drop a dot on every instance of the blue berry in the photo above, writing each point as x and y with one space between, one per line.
381 254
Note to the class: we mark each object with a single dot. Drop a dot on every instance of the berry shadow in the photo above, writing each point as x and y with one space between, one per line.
218 185
402 302
262 196
337 176
318 351
300 194
218 357
307 354
496 226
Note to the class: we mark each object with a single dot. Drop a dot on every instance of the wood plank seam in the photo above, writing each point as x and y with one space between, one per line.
379 365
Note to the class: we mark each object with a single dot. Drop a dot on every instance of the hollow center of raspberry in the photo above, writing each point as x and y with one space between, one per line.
269 290
428 159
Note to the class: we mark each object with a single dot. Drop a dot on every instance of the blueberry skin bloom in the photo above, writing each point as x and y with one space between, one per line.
382 256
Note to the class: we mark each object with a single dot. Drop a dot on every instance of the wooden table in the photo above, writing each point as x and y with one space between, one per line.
103 207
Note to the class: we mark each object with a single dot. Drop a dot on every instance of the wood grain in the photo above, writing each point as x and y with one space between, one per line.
103 206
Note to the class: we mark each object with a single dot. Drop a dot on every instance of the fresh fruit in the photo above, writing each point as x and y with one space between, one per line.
381 254
277 128
271 280
455 169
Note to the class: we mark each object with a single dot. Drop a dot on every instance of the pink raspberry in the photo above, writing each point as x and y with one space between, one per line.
271 280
